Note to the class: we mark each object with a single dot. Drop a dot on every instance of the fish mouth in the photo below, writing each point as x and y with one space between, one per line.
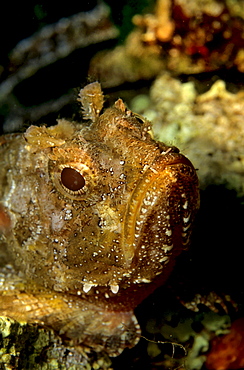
161 209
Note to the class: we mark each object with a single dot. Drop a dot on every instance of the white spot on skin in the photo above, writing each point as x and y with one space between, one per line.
68 214
186 219
166 152
167 248
185 205
141 280
164 259
143 210
87 287
186 227
153 170
147 202
122 176
114 288
168 232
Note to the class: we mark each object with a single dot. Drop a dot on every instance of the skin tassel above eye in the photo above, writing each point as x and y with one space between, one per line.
93 215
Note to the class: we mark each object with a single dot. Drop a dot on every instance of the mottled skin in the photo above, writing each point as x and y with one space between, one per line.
93 240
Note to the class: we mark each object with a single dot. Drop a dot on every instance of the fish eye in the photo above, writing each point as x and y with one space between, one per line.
72 179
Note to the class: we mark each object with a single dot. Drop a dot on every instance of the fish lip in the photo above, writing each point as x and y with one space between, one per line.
163 168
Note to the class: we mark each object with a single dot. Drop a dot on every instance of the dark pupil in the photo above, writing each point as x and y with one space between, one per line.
72 179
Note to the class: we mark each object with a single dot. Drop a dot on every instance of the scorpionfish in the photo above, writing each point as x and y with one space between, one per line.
92 217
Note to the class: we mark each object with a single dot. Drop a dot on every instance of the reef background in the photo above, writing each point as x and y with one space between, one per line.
57 82
202 113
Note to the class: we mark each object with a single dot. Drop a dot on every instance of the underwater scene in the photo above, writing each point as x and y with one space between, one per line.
122 185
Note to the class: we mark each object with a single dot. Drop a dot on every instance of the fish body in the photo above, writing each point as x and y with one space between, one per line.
92 215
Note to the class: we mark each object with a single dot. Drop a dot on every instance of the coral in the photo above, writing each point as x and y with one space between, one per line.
208 126
181 36
227 351
130 62
29 347
180 328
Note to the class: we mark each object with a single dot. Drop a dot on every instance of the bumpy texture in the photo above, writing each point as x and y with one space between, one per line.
29 347
182 36
93 216
227 351
208 126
